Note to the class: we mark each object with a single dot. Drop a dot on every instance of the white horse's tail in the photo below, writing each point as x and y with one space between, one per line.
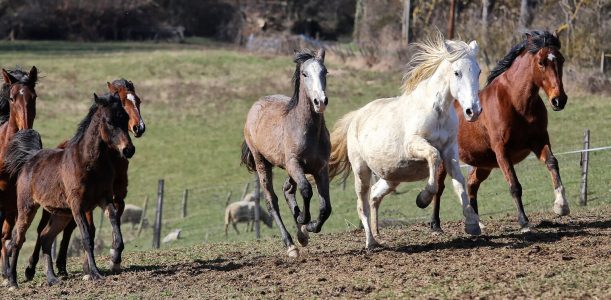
339 162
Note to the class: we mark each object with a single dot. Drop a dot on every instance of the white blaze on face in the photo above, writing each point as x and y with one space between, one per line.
314 83
551 57
465 86
21 92
132 98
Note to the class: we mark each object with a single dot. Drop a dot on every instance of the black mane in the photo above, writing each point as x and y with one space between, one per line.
124 83
299 58
533 42
106 100
23 78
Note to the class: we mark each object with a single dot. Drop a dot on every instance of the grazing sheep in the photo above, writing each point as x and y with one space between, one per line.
244 212
132 214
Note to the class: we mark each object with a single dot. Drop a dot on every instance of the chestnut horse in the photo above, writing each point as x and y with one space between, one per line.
68 182
514 122
131 103
290 133
17 112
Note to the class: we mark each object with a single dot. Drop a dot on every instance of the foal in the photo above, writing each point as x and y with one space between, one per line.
17 112
68 182
290 133
131 103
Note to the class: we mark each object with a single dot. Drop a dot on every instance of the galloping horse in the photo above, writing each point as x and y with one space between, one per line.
290 133
17 112
406 138
68 182
514 121
131 103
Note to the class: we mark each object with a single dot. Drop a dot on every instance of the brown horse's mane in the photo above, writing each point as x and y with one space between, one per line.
23 78
533 42
299 58
103 100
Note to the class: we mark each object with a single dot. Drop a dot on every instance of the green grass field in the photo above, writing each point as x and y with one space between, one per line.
195 98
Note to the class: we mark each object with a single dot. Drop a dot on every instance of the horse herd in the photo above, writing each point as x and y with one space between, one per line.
69 181
420 135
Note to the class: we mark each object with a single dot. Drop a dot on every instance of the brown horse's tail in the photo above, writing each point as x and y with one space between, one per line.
25 144
247 158
339 162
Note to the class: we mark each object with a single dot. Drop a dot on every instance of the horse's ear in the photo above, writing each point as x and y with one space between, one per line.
320 54
474 46
8 78
33 75
96 99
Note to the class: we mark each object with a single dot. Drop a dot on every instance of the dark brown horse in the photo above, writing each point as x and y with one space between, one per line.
131 103
514 122
17 112
290 133
68 182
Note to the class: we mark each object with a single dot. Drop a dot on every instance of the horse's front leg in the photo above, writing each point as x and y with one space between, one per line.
62 254
515 188
322 186
117 238
450 160
47 237
544 153
435 221
305 188
30 270
419 148
80 218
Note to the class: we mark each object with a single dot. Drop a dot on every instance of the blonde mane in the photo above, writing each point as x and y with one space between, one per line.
428 56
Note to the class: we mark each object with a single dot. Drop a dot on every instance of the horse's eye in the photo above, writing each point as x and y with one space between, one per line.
304 74
542 63
456 74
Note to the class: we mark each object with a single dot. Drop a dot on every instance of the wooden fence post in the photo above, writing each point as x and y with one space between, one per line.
257 208
157 234
583 194
185 195
451 19
143 216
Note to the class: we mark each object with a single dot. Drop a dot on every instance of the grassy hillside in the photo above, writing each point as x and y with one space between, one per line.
195 99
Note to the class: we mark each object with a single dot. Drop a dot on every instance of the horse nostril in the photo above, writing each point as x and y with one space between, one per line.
316 102
129 151
556 102
136 128
326 100
469 112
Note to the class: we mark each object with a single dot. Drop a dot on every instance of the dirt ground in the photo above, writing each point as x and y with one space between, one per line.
566 257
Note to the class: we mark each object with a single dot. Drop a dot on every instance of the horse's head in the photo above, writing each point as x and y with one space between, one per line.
547 66
113 126
464 80
131 103
313 78
22 95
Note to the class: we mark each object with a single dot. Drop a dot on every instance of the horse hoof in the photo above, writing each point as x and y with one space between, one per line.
482 226
5 282
29 273
114 268
526 229
62 272
53 281
436 230
562 210
473 229
303 236
421 201
12 288
373 245
293 251
86 277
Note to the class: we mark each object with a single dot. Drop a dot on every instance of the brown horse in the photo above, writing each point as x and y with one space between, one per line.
290 133
17 112
131 103
514 122
68 182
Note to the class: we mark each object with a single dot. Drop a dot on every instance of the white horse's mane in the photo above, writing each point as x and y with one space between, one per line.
428 55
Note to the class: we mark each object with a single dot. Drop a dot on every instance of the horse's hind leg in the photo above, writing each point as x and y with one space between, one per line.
63 249
441 177
476 177
89 219
362 182
30 270
7 227
378 192
47 236
322 186
80 218
305 188
544 153
264 170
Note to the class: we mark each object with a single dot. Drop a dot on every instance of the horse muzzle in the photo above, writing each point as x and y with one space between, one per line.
139 130
320 106
472 114
559 102
129 151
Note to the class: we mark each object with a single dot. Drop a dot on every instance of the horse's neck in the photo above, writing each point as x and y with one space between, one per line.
91 148
515 81
8 130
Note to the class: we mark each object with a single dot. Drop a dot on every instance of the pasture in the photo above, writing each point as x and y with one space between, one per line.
195 100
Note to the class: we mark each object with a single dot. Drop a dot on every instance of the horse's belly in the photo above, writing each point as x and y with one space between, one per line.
404 171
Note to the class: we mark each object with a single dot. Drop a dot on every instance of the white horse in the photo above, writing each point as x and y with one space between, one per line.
405 139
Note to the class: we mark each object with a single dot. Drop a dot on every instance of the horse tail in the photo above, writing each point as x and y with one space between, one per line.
25 144
227 215
339 162
247 159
